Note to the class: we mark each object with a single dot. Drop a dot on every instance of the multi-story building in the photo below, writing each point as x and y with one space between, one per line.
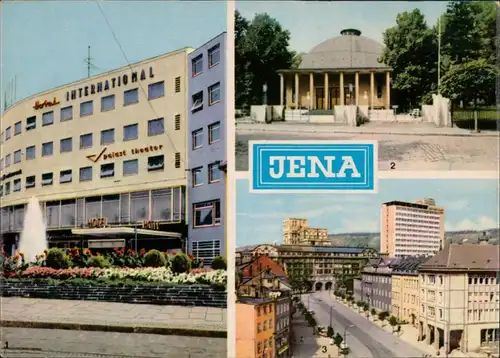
459 298
206 147
255 322
283 331
411 229
405 289
106 157
324 265
376 284
298 232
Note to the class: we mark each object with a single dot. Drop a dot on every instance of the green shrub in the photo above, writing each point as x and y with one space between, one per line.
57 259
219 263
154 258
180 263
98 261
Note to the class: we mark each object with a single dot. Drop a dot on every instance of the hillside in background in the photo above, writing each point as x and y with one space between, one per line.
371 239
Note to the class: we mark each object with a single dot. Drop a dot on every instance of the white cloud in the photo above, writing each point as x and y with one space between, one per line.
483 222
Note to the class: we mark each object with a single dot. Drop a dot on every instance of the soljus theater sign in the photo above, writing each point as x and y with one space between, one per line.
110 83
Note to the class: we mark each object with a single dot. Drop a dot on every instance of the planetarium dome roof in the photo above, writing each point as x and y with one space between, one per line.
349 50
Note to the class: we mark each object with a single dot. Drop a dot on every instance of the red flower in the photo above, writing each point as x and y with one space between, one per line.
201 260
173 252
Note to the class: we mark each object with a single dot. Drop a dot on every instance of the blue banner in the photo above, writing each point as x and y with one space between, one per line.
313 166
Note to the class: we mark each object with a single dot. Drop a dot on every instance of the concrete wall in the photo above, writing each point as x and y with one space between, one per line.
210 238
246 331
164 68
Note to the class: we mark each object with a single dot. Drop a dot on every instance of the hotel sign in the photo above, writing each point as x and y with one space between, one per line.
105 85
98 222
46 103
104 154
151 225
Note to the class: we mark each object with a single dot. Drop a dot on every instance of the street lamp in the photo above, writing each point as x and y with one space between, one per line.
345 336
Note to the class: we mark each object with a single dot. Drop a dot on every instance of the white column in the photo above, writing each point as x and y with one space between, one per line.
297 95
372 90
327 97
356 87
341 88
312 102
282 89
388 90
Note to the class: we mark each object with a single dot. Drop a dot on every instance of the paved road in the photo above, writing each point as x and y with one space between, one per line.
365 339
38 343
408 152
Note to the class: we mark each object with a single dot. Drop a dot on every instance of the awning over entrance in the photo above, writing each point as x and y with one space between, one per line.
125 232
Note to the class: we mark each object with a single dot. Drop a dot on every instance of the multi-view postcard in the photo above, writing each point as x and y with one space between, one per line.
113 227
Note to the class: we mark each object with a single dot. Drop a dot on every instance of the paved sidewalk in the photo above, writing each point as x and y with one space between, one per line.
113 317
313 345
372 128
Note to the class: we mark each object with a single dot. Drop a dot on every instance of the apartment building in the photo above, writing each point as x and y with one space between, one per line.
405 288
255 322
298 232
411 228
459 298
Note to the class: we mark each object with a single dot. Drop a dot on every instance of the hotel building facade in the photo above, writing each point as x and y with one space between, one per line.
108 158
411 229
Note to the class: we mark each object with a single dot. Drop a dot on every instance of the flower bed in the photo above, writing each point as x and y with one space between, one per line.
144 274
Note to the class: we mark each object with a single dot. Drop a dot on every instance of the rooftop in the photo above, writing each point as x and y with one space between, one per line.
409 264
460 257
254 300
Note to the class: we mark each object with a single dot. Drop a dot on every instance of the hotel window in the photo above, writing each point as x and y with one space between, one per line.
47 149
108 103
206 213
213 173
30 182
86 108
86 141
156 90
65 176
197 176
130 167
17 185
18 128
197 65
17 156
66 145
207 250
197 100
107 170
86 174
156 127
30 123
214 56
7 188
214 94
177 122
7 161
47 179
156 163
66 113
48 118
177 84
107 136
214 133
197 138
7 133
130 132
130 97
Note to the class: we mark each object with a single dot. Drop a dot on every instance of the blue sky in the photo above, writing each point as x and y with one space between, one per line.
312 22
45 42
468 204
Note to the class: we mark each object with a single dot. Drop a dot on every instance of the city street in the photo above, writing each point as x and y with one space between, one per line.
364 338
34 343
407 152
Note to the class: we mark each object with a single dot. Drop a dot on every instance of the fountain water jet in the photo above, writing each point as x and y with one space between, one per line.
33 237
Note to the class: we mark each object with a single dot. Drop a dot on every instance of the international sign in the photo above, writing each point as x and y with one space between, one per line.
313 166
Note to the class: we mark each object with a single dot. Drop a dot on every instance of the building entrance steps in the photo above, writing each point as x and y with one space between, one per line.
113 317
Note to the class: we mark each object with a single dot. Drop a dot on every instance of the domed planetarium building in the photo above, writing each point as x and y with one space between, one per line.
343 70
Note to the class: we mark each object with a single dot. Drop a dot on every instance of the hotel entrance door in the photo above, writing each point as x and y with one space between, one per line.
349 98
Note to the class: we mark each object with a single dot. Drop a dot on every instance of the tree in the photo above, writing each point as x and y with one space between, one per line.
411 51
374 313
382 316
300 280
366 308
471 82
261 49
393 321
345 351
330 332
337 340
